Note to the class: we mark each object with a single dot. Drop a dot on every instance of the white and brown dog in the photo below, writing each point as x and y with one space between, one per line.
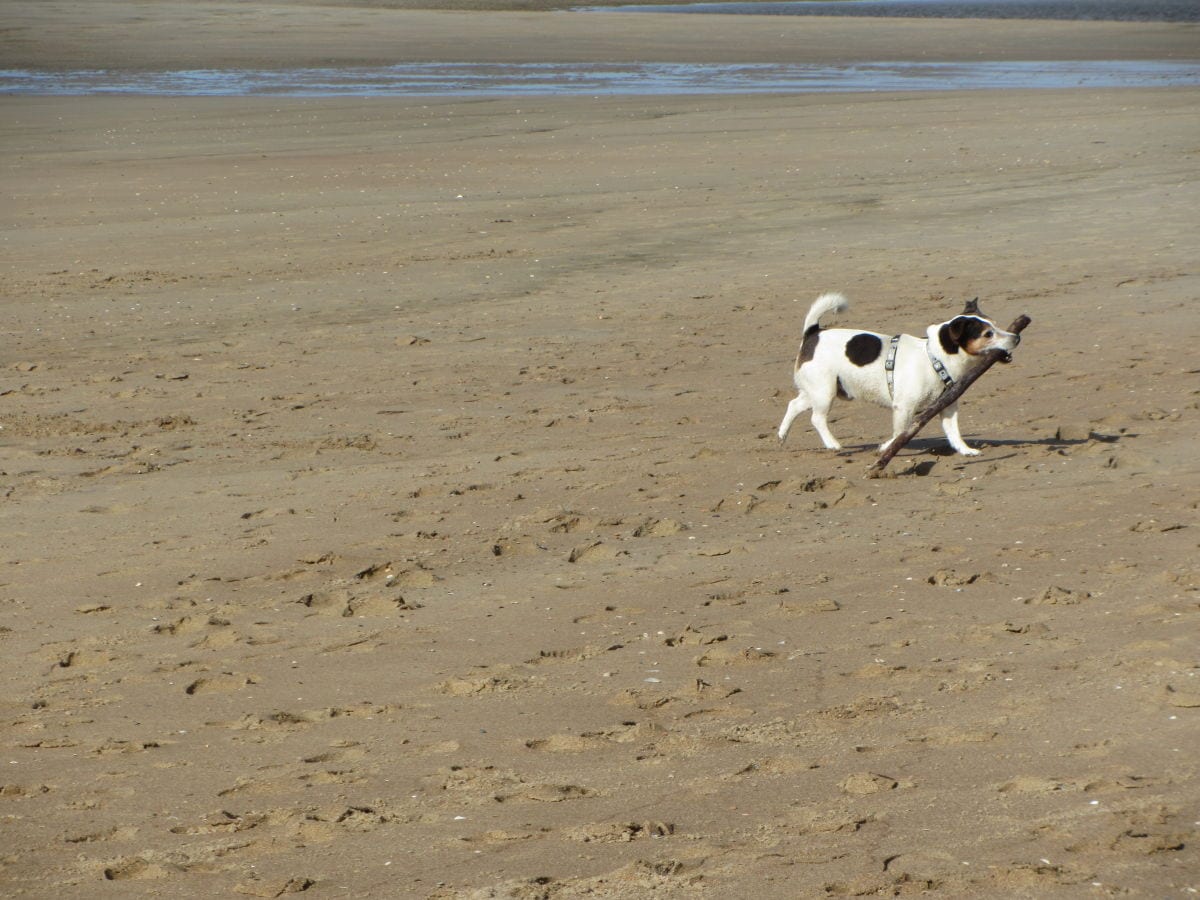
904 372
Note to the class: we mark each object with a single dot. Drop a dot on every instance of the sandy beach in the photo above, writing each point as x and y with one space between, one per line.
392 503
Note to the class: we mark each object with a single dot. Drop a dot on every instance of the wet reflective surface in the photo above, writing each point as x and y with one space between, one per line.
1079 10
452 79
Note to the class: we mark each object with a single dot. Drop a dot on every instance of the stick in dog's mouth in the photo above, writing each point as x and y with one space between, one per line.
1005 356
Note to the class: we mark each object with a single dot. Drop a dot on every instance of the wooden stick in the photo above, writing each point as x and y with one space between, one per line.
948 396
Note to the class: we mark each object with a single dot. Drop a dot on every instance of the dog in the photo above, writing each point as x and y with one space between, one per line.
904 372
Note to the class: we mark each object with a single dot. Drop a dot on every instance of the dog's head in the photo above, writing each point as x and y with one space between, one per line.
975 334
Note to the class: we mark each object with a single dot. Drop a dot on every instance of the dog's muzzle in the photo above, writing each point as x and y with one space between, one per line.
1006 355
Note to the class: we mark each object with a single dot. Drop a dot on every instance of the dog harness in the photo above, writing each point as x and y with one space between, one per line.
939 368
889 365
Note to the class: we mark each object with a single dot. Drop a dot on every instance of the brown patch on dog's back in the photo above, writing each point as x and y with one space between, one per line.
809 346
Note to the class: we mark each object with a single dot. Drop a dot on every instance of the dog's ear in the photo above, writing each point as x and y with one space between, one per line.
972 308
950 334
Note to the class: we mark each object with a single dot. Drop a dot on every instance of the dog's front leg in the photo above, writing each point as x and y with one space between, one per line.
901 419
950 428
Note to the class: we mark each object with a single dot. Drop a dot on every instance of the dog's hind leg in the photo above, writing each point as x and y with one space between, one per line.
820 422
820 389
797 406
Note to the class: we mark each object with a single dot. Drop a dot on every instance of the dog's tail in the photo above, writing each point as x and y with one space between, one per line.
827 303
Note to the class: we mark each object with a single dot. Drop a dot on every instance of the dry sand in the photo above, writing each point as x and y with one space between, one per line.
392 506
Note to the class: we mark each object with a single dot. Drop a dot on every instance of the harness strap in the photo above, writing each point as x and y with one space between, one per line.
889 364
938 367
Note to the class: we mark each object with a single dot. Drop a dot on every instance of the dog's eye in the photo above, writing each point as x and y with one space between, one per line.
989 334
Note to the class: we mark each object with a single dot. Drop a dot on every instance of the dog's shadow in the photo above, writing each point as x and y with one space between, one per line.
937 447
1051 443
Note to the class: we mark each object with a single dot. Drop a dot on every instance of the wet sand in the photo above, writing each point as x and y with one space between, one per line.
59 34
392 506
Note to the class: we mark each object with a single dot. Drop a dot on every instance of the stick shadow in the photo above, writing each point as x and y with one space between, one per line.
940 449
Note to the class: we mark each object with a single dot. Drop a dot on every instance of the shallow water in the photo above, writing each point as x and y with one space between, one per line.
486 80
1078 10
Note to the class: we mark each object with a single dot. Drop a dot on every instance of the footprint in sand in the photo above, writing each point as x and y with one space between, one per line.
20 790
799 607
340 819
1034 784
113 746
567 743
393 575
133 868
1058 596
773 765
823 821
951 578
274 887
949 736
574 654
224 822
71 656
222 683
619 832
378 605
345 604
860 784
608 613
116 833
547 793
776 732
291 721
218 639
501 836
565 523
695 637
983 634
189 625
334 777
596 551
1181 698
863 707
483 684
730 656
659 528
626 733
475 784
515 545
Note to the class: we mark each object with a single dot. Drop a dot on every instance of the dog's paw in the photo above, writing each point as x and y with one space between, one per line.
967 451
